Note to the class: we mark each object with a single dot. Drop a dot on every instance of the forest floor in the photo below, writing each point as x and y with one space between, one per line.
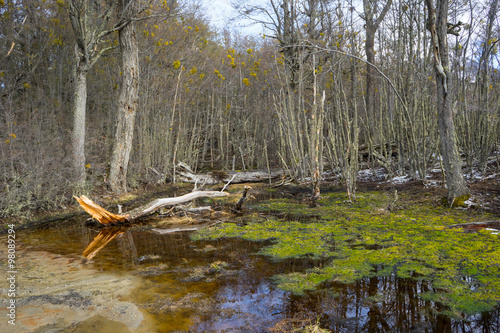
485 193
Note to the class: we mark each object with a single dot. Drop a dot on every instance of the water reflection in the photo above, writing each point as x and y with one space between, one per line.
105 236
224 285
388 304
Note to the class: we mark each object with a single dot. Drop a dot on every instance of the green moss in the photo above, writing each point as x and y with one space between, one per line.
457 202
360 240
460 201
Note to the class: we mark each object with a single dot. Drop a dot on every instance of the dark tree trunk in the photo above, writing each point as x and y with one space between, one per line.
371 25
486 52
370 74
452 162
288 38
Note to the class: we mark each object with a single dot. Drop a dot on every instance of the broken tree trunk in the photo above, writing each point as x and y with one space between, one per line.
243 198
107 218
185 174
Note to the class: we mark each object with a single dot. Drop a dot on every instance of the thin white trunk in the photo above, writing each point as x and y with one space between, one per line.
79 111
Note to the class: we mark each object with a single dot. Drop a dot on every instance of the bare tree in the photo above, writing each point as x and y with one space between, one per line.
280 17
438 26
488 45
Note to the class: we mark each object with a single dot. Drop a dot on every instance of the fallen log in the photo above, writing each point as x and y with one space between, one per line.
185 174
495 224
107 218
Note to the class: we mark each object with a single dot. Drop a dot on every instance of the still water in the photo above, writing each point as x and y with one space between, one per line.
181 285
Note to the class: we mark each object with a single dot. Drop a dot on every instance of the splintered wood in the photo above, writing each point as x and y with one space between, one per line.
99 213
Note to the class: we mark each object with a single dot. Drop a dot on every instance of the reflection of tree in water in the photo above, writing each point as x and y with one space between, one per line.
127 246
386 304
105 236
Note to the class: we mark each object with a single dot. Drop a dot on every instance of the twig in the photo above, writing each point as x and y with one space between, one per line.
227 184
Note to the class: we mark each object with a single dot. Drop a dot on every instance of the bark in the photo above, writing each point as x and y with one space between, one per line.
107 218
127 106
452 162
79 110
483 76
288 38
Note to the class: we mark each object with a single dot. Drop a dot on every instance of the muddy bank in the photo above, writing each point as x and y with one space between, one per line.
55 292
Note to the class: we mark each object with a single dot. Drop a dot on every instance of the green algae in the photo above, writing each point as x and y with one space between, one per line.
359 240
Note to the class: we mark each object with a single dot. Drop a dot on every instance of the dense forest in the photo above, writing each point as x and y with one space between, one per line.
105 94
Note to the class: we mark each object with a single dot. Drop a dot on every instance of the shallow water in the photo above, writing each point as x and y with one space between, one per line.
183 285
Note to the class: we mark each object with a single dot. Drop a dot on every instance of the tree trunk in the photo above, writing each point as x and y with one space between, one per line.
371 25
483 66
316 141
448 141
127 106
370 75
287 37
88 35
79 110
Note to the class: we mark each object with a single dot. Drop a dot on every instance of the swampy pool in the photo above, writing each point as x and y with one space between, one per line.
143 281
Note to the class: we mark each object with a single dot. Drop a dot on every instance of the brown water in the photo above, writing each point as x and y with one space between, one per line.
142 281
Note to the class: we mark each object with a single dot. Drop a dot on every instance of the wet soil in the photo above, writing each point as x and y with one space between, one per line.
55 292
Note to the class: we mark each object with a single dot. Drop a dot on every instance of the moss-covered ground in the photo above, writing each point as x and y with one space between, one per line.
364 239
